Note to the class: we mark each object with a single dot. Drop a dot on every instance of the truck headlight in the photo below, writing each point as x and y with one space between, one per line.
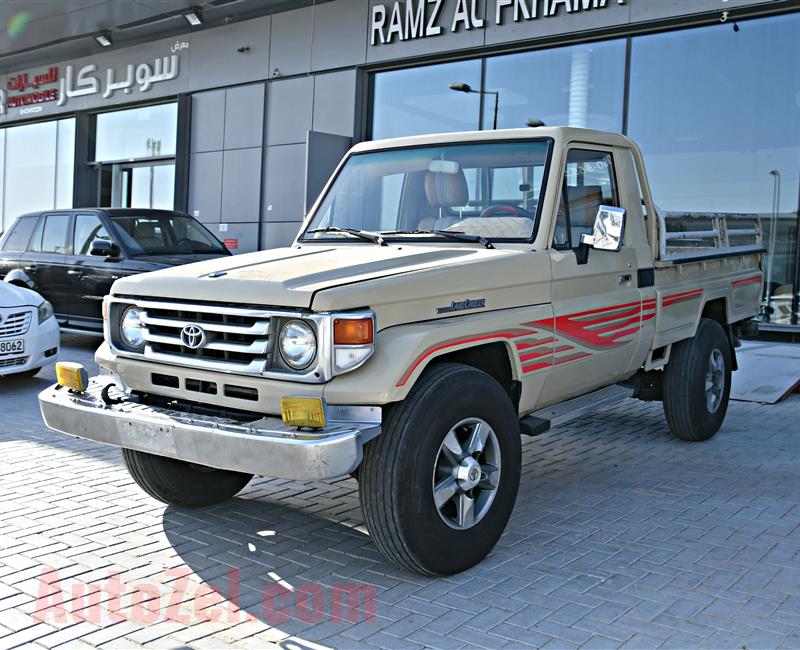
44 311
297 344
130 328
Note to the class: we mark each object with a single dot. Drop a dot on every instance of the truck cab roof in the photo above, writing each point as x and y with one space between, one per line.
557 133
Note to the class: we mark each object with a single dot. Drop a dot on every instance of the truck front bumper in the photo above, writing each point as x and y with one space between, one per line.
265 447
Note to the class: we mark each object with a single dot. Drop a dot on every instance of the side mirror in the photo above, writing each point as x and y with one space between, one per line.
104 248
609 230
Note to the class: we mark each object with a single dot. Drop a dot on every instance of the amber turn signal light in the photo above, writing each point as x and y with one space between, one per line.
352 331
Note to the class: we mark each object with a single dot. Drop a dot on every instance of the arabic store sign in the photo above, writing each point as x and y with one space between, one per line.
406 20
29 91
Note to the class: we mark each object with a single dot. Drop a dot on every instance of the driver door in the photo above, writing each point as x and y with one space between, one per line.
596 304
90 276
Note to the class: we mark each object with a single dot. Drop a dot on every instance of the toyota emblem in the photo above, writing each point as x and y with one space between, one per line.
193 337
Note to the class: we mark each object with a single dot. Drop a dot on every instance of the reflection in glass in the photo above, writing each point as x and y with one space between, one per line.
146 132
715 112
153 187
414 101
39 162
65 163
580 85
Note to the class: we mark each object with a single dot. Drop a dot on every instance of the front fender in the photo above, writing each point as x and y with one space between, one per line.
403 352
19 277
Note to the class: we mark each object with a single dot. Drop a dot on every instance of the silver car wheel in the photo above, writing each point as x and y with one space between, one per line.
715 380
466 473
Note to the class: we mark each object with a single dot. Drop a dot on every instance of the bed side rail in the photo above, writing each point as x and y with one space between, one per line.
687 236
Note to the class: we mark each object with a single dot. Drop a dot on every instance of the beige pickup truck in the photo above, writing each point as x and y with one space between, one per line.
445 294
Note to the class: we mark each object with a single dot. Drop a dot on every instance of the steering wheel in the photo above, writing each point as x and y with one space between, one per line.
506 209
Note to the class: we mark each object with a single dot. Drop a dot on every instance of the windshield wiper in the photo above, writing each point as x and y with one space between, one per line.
452 234
363 234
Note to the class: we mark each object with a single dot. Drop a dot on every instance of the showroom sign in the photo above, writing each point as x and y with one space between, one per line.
407 20
28 91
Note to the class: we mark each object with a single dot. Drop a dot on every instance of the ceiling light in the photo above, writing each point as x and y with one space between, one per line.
104 38
194 17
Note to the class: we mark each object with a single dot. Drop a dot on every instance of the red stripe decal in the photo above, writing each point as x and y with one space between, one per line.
574 357
537 366
511 334
581 330
754 279
680 297
534 355
527 346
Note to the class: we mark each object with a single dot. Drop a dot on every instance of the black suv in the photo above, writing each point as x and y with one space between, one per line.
72 257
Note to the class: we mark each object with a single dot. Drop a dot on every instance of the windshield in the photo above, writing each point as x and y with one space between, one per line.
165 235
490 190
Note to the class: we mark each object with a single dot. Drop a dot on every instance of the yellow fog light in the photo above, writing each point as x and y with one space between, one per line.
72 375
303 412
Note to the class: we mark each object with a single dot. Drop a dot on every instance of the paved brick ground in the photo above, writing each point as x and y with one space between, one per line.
622 537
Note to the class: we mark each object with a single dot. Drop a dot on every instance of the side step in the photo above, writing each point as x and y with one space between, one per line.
558 414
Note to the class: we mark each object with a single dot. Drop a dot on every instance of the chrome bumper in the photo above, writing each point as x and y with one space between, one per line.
264 447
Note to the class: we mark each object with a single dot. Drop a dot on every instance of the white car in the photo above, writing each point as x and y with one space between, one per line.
29 335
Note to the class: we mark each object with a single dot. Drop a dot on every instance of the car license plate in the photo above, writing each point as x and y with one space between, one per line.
16 346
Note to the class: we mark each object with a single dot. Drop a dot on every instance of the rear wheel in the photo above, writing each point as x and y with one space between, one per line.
697 383
183 484
438 485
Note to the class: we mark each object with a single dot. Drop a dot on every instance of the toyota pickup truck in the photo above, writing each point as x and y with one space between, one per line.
445 294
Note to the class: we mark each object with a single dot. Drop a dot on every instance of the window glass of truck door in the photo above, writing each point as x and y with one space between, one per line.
88 227
487 189
50 235
589 182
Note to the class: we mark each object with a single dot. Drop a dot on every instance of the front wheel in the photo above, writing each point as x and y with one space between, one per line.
697 383
438 485
182 484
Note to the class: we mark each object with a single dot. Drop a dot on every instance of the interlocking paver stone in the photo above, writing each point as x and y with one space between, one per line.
622 537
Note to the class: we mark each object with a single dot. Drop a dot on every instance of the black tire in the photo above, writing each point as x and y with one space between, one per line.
182 484
686 403
397 474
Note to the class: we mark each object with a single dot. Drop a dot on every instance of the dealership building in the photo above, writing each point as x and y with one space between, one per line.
237 112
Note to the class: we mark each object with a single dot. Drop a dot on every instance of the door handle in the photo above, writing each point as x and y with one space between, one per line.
625 277
74 272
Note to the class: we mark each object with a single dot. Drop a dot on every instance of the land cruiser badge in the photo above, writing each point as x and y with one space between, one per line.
462 305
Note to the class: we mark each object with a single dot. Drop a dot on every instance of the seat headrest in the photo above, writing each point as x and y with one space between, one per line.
583 204
446 190
589 193
146 229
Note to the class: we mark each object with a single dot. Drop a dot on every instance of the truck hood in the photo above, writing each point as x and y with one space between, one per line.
293 277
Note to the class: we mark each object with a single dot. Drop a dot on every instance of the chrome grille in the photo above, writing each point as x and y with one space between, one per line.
19 361
15 324
237 340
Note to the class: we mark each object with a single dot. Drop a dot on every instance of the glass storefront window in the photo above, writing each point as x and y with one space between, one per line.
717 115
153 186
581 85
414 101
145 132
65 163
39 167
